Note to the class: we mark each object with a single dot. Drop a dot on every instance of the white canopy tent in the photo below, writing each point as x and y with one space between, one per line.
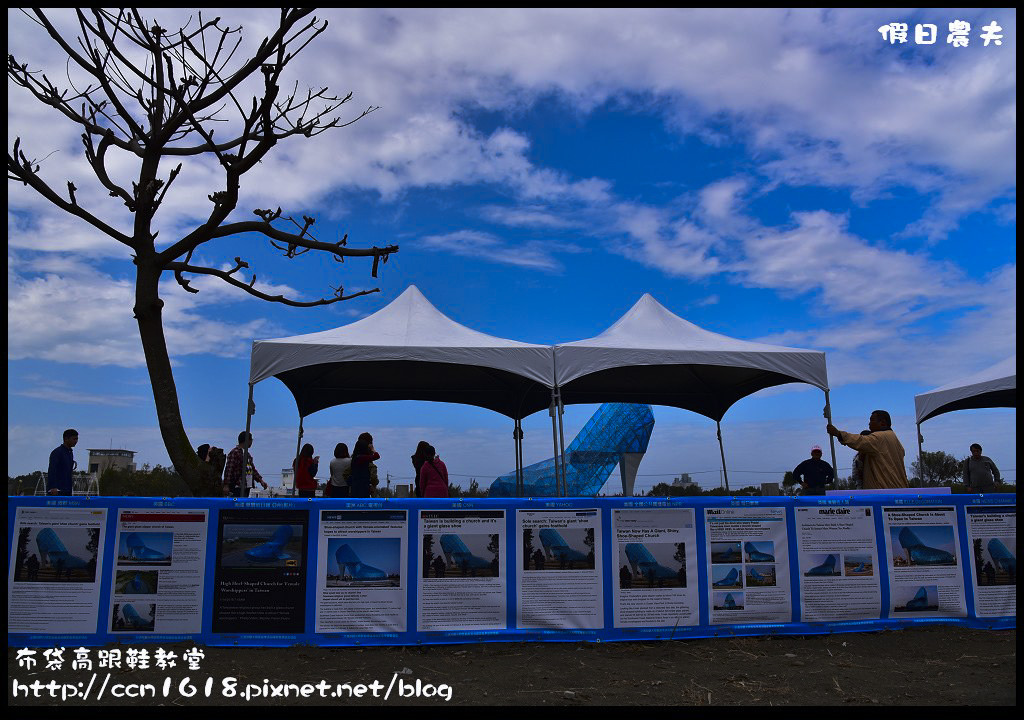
408 350
651 355
993 387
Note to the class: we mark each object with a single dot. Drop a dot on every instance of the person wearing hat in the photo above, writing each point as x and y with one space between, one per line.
814 473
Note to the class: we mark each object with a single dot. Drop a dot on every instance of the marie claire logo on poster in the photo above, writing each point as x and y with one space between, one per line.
959 34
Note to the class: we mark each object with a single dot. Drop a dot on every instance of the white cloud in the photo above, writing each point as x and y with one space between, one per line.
85 316
533 254
61 394
799 85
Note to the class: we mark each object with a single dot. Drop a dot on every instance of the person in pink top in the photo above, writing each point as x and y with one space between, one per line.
433 478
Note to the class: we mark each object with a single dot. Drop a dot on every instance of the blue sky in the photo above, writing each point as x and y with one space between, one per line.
778 176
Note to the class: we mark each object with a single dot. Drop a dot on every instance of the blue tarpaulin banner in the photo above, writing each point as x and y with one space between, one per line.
278 572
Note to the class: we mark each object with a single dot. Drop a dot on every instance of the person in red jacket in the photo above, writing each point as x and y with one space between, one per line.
305 467
433 479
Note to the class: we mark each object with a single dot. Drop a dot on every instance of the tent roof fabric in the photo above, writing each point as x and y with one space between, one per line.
993 387
651 355
408 350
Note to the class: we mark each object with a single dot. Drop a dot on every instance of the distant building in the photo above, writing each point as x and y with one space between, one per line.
684 481
101 460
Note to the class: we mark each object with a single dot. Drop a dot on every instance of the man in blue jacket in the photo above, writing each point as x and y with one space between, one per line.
814 474
62 465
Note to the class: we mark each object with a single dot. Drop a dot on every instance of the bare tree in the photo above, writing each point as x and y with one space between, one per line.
154 95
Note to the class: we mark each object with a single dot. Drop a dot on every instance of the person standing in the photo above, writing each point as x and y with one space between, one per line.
980 473
883 453
239 482
32 565
62 465
418 458
341 466
433 479
857 471
814 473
305 467
362 455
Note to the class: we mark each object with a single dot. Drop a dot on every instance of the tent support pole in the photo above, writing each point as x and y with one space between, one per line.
561 444
553 410
250 410
298 446
831 439
920 455
517 437
721 448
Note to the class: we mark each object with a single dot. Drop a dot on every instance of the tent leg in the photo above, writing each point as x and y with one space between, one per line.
250 410
561 444
298 443
831 440
553 410
721 448
517 437
920 455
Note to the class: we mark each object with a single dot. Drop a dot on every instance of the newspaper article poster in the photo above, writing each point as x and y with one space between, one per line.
839 574
53 584
922 545
656 567
158 571
748 561
992 537
560 583
260 578
463 574
362 576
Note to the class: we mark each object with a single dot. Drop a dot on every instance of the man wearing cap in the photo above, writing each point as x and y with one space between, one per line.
814 474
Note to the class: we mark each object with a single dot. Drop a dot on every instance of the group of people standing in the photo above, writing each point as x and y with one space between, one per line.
351 475
879 462
878 465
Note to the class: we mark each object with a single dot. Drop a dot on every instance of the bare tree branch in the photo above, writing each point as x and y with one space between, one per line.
228 276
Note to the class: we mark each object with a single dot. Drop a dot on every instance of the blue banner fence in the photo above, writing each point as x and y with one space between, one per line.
262 585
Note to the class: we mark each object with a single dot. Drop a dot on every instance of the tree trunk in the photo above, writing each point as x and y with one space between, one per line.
149 315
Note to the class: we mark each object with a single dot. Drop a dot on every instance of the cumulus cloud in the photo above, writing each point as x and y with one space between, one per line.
800 88
84 316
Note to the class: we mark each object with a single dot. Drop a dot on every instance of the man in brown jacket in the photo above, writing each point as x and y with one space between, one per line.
882 452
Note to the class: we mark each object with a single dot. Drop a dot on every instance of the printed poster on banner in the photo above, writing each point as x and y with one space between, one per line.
992 538
839 574
53 582
922 547
362 574
259 584
559 570
463 571
159 570
654 576
748 565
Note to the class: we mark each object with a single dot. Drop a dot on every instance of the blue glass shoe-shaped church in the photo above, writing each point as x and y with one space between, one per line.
617 434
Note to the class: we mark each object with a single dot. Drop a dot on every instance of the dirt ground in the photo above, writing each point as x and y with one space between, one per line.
921 666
